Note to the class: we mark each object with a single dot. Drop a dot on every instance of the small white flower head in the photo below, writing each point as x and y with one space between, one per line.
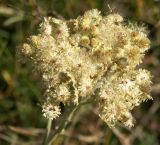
45 27
93 13
143 76
60 29
63 93
50 111
27 50
128 119
126 85
85 87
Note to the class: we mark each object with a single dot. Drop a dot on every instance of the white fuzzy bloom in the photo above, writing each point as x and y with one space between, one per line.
127 85
46 28
142 76
50 111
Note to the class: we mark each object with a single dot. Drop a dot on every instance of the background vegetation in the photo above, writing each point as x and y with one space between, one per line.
21 122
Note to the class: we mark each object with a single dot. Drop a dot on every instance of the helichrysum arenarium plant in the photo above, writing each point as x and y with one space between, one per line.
94 58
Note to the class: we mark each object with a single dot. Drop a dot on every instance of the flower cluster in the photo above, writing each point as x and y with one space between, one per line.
91 57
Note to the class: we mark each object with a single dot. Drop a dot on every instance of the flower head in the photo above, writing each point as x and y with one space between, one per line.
50 111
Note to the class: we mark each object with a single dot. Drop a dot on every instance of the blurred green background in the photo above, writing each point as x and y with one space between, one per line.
21 122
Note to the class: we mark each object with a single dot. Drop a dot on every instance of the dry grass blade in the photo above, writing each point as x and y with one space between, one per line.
26 131
6 11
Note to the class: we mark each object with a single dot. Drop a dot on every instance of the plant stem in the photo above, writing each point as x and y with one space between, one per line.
48 129
64 124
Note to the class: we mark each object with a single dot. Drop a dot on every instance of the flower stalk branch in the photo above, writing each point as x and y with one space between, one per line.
48 129
64 124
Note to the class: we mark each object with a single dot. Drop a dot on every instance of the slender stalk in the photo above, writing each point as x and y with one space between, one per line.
64 124
67 120
48 129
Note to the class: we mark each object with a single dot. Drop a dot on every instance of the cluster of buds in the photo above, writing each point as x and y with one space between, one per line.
91 57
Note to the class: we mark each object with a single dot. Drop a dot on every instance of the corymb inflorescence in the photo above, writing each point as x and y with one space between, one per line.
93 57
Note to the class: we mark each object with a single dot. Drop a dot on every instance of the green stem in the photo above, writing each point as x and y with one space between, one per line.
64 124
67 120
48 129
